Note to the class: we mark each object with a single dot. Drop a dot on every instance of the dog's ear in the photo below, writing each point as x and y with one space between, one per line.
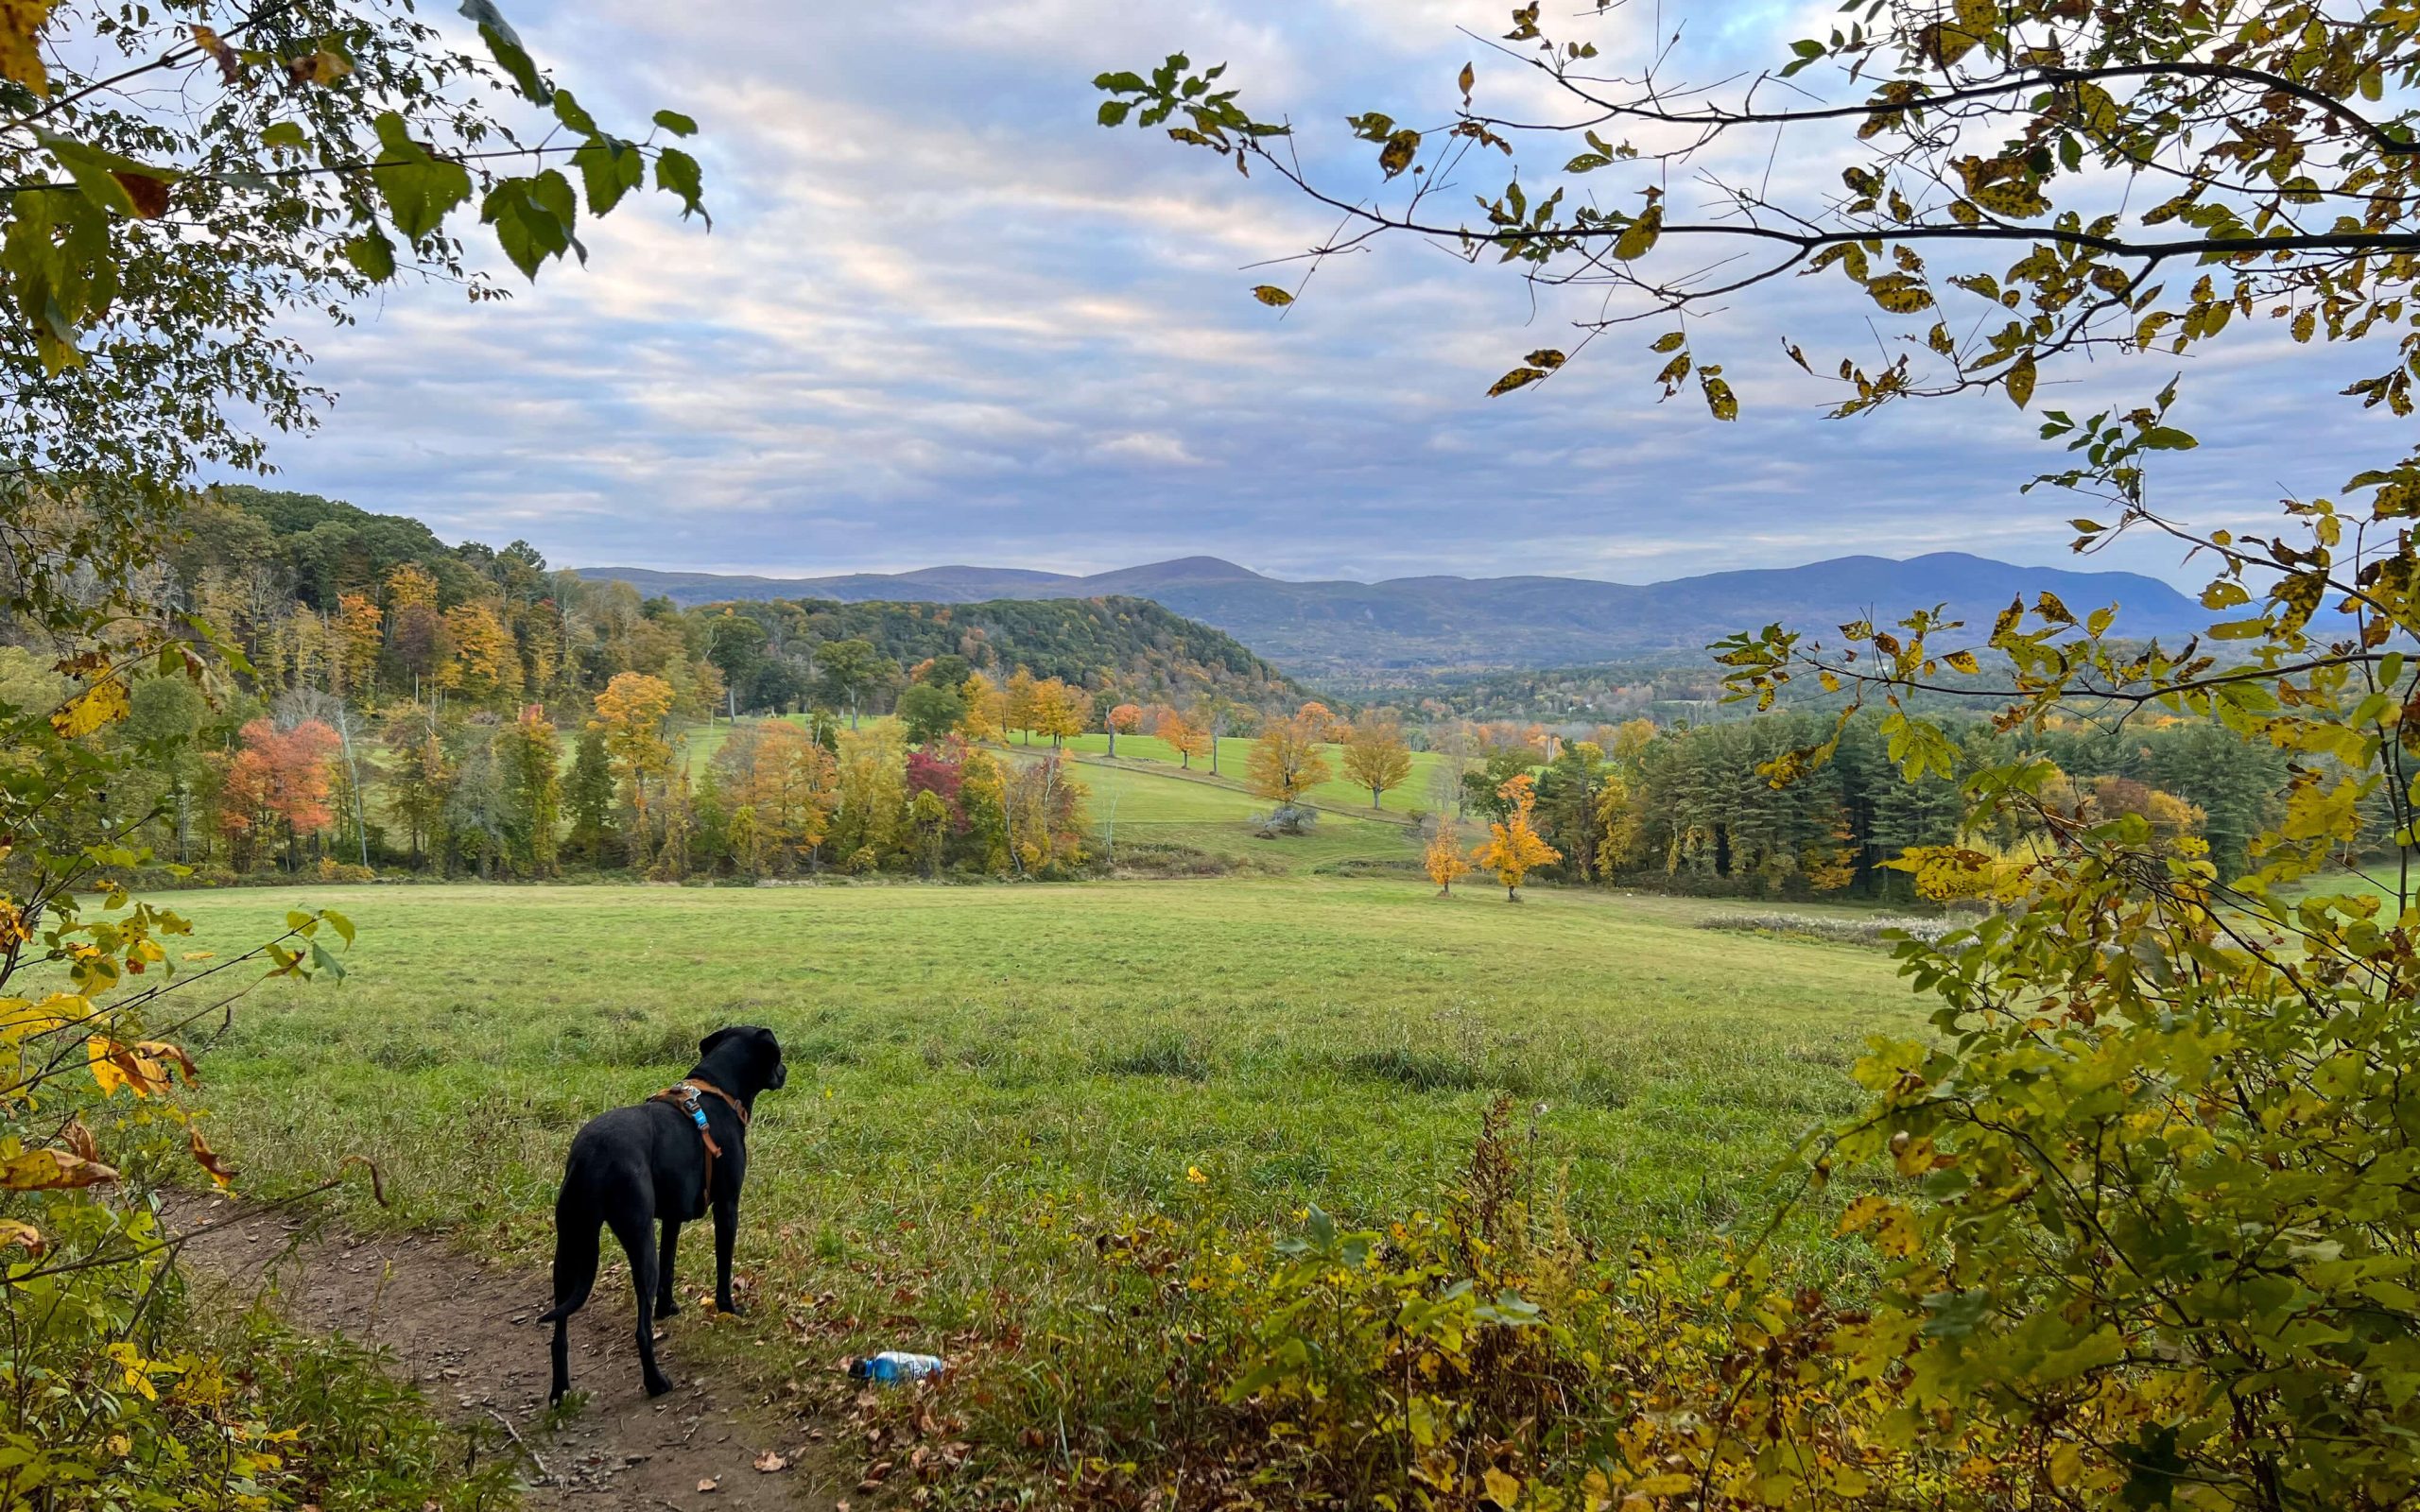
706 1046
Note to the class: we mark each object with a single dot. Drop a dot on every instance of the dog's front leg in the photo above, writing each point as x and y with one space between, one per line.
667 1303
726 1231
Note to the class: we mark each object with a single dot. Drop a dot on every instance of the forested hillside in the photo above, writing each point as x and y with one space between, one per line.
320 593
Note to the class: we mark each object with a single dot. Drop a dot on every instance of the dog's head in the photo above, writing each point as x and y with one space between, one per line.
747 1056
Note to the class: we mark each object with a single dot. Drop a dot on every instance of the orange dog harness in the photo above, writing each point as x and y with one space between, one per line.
685 1097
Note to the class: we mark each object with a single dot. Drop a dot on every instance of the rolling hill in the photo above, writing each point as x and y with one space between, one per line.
1431 624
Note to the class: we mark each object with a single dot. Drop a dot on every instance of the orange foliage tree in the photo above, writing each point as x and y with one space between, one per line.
1515 849
1188 738
278 780
1123 720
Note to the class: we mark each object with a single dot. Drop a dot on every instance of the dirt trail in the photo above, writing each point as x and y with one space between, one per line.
467 1335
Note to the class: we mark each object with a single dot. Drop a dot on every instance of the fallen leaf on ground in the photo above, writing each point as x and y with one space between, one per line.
770 1460
707 1486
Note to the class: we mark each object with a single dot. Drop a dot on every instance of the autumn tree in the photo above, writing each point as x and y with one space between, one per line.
631 712
1444 859
1058 710
985 721
278 784
1123 720
1017 703
1189 738
359 639
1375 755
481 660
1515 849
1286 761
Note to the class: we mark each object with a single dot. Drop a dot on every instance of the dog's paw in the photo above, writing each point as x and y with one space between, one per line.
731 1309
657 1386
667 1305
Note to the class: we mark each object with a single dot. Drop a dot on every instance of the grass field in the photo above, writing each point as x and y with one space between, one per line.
974 1066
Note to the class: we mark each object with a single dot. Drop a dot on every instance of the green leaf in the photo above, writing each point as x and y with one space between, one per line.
1113 113
284 135
418 187
373 254
676 172
609 168
532 218
504 45
569 112
676 123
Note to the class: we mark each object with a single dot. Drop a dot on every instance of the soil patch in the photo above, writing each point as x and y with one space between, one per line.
467 1335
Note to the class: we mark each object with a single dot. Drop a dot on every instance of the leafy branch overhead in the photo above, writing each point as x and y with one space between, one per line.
2026 180
313 119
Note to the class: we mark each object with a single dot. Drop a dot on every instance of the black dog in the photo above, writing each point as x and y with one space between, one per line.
668 1158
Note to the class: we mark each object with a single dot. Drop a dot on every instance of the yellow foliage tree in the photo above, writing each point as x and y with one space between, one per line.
1016 709
1376 756
1515 849
1287 762
986 709
1058 710
486 665
1444 858
360 636
632 710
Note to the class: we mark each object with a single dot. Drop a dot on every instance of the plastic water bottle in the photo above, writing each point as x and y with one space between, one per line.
892 1367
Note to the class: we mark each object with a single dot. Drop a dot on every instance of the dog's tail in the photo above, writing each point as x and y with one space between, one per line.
576 1238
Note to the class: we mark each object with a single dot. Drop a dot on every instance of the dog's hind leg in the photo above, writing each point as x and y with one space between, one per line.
666 1302
576 1240
726 1232
635 1229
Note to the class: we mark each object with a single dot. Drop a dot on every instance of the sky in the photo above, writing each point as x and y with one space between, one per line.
944 316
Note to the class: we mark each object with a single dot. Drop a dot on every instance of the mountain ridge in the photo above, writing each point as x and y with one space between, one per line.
1441 621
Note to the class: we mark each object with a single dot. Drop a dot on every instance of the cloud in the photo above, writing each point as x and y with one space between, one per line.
942 314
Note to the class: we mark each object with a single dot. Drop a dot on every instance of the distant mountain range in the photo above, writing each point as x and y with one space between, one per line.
1433 624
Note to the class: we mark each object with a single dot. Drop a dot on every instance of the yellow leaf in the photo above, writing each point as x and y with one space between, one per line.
1502 1490
51 1171
1964 662
104 703
115 1065
1638 237
25 1236
1271 294
2020 381
20 23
